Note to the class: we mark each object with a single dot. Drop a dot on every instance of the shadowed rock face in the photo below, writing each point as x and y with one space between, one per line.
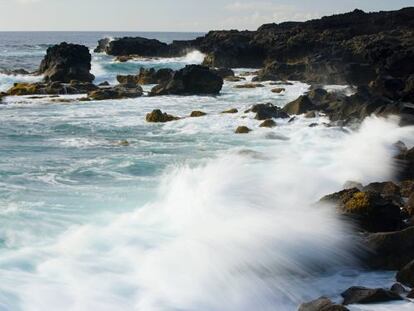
66 62
191 80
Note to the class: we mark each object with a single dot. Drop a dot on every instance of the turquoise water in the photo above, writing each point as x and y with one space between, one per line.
189 216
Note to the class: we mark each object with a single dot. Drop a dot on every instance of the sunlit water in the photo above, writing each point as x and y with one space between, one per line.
189 216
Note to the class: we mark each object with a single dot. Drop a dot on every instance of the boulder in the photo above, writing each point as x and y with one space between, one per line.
363 295
406 275
267 111
371 211
191 80
388 189
152 76
242 130
66 62
410 295
157 116
225 73
321 304
196 114
299 106
268 123
391 250
117 92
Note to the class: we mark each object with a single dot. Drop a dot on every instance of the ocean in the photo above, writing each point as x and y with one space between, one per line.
189 216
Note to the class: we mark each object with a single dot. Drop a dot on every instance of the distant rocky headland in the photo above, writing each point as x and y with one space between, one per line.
374 52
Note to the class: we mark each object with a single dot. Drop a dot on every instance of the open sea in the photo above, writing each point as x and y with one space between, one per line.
190 216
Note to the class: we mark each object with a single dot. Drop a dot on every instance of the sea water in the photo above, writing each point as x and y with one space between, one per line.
189 216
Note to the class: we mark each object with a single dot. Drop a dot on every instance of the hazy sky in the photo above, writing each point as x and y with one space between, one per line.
171 15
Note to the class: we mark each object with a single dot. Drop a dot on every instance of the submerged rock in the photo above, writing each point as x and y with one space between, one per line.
321 304
233 110
157 116
65 62
278 90
243 130
191 80
195 114
363 295
248 86
268 123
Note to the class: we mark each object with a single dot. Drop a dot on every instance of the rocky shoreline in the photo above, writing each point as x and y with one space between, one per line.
373 53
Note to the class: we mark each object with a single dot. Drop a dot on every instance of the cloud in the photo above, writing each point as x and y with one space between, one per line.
253 14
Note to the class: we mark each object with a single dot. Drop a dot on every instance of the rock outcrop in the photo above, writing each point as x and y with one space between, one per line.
191 80
267 111
65 62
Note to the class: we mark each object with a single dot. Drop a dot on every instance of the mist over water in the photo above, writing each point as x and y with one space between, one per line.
190 216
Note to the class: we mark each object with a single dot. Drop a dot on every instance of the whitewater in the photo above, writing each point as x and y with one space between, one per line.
189 216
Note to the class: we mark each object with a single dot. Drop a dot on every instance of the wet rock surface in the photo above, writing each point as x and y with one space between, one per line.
65 62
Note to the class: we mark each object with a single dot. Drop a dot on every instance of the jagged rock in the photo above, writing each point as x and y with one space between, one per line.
196 114
157 116
133 46
406 275
128 79
321 304
363 295
233 110
410 295
117 92
191 80
267 111
105 83
243 130
66 62
268 123
299 106
407 188
391 250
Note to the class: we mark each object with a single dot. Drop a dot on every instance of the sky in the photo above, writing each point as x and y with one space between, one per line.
171 15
